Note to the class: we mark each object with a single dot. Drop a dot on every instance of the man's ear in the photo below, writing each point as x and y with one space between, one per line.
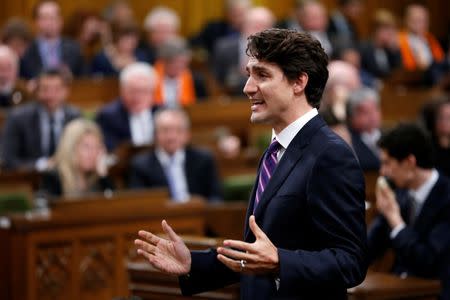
300 83
411 159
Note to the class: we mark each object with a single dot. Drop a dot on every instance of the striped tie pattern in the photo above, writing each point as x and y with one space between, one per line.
267 168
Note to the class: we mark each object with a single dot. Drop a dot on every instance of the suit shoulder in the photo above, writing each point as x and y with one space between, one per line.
72 111
23 111
330 141
200 153
110 109
142 159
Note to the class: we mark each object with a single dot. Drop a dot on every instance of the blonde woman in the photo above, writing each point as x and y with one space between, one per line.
80 162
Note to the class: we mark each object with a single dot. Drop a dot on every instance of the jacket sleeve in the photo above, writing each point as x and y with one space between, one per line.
335 200
425 256
207 273
12 137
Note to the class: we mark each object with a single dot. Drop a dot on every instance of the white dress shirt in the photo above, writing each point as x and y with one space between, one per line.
141 126
173 167
286 136
171 88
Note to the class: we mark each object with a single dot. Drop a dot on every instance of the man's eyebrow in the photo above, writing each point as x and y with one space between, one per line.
257 68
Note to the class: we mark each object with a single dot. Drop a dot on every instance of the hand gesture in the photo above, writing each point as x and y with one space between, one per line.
168 256
386 203
259 257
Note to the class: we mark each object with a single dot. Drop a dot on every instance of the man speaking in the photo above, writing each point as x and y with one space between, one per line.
305 233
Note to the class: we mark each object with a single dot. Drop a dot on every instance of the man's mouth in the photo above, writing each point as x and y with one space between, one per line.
257 103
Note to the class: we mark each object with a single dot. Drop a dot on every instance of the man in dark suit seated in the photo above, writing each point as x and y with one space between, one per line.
343 21
129 118
305 233
380 55
32 130
235 11
50 50
12 92
228 63
186 170
364 121
414 218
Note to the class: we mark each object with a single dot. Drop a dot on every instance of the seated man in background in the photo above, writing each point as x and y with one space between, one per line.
130 117
380 55
32 131
177 85
364 121
50 50
185 170
11 91
160 25
311 17
420 50
231 25
414 219
229 61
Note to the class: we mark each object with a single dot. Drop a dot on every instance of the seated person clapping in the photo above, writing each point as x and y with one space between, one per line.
81 164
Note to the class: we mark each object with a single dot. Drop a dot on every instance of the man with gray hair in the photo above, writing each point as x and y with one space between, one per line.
11 91
130 117
160 25
364 121
229 55
184 169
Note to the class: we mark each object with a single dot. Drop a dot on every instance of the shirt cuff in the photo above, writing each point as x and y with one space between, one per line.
41 164
395 231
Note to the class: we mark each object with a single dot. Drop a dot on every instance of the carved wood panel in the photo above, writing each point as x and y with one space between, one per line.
53 270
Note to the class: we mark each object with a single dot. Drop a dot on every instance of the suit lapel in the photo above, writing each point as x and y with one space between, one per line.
432 205
289 160
189 170
36 134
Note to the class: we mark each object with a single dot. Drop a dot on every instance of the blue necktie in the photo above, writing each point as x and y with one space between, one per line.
268 166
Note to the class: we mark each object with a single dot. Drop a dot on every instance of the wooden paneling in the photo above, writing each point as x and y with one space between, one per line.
78 249
194 13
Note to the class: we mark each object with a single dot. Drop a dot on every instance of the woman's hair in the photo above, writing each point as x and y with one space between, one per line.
65 157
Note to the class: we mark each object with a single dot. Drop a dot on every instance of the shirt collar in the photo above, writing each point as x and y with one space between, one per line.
58 115
421 194
165 158
286 136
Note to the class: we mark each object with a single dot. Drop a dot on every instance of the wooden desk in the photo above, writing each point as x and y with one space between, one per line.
383 286
78 249
90 94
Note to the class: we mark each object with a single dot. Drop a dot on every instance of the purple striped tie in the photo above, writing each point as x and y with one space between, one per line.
267 168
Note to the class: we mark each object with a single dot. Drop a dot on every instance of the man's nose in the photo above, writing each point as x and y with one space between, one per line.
250 87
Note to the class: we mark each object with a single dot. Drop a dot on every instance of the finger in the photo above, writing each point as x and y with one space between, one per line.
169 231
259 234
150 237
145 246
239 245
234 265
236 255
151 259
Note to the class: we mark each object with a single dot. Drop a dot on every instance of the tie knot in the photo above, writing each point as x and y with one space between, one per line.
274 147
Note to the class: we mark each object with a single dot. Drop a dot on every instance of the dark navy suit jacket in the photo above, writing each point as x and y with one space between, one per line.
422 248
114 121
201 173
31 63
22 145
313 212
368 160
